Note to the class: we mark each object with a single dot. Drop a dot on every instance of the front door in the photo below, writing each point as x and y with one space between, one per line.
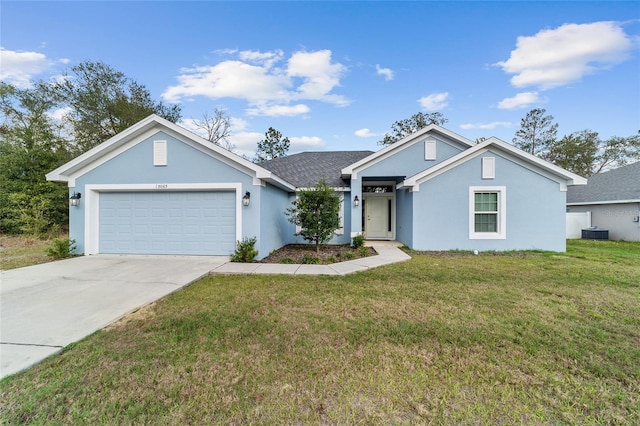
378 217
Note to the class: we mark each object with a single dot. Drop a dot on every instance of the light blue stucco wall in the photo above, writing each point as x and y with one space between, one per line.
406 162
409 160
404 217
185 164
535 208
274 225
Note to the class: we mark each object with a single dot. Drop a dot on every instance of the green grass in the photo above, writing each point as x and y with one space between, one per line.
19 251
519 338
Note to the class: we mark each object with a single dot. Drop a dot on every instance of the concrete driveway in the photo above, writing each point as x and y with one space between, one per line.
43 308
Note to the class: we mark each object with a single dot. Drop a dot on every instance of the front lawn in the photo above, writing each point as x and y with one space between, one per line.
520 338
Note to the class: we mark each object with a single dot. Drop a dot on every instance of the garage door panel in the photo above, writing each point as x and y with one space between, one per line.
167 223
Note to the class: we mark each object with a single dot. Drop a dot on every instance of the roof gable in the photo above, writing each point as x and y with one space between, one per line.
140 131
402 144
621 184
549 170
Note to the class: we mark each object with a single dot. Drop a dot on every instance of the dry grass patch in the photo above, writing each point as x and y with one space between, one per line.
17 251
536 339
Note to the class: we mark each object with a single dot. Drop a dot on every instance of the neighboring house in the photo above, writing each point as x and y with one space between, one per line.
613 198
156 188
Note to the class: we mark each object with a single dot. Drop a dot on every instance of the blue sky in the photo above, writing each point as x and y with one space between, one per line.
336 75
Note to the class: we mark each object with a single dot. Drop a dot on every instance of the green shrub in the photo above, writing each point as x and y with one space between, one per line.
309 259
245 250
287 261
358 241
347 255
363 251
331 259
61 248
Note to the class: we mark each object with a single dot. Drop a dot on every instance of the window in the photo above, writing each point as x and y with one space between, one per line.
159 153
377 189
487 212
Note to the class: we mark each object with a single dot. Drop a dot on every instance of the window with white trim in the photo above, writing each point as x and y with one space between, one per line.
487 212
340 231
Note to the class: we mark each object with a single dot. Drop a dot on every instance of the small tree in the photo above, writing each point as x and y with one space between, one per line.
272 146
405 127
317 212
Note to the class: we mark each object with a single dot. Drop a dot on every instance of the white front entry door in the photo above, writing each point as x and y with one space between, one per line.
378 221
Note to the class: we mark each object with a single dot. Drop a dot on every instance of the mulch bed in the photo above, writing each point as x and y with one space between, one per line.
306 253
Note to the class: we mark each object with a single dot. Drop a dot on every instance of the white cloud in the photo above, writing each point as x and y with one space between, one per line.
233 79
18 68
486 126
364 133
303 143
555 57
266 58
521 100
319 75
268 89
245 143
435 101
387 73
278 110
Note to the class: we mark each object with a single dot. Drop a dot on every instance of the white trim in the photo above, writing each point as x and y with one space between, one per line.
160 153
85 168
589 203
488 167
340 231
92 204
141 131
353 169
535 164
502 213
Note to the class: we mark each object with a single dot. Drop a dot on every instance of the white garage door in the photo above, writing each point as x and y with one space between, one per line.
190 223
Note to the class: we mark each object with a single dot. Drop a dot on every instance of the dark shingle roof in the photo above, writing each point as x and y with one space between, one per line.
305 169
619 184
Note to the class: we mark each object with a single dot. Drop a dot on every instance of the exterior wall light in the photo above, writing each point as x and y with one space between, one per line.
356 201
246 200
74 200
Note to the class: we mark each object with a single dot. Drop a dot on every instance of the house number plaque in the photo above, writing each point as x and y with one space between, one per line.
162 186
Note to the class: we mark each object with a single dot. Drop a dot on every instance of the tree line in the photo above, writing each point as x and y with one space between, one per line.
582 152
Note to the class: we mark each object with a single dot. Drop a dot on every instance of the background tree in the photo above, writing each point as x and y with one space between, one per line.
102 102
405 127
618 151
585 154
317 212
216 127
272 146
31 145
537 132
576 152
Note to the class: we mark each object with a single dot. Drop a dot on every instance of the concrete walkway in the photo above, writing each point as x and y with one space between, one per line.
388 252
